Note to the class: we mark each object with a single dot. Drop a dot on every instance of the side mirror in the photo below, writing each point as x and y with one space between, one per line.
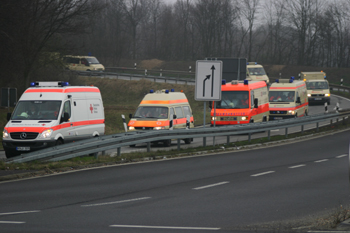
174 116
298 100
130 115
256 103
65 117
247 74
8 117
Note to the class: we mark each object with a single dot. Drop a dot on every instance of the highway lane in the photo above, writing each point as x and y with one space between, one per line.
224 192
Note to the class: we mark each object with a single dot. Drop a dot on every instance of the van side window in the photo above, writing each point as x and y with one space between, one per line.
84 62
66 108
179 113
252 99
187 111
171 112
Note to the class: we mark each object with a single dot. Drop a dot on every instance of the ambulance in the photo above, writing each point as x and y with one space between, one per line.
317 86
256 72
53 113
241 103
288 99
159 109
83 63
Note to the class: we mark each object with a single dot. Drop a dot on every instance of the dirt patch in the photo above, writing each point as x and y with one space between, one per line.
151 64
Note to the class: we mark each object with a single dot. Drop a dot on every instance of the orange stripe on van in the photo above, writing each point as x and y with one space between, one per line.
164 101
63 90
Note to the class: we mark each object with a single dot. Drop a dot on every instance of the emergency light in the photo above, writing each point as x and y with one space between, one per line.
172 90
49 84
223 81
151 91
277 81
167 91
245 82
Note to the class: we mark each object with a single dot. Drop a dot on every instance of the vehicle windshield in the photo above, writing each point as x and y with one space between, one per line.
92 60
281 96
256 71
233 100
37 110
152 112
316 85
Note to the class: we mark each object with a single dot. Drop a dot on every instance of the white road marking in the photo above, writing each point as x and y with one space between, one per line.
341 156
167 227
263 173
20 212
116 202
11 222
211 185
296 166
322 160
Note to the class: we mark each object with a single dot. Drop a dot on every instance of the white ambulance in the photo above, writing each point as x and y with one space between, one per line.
288 99
53 113
318 90
256 72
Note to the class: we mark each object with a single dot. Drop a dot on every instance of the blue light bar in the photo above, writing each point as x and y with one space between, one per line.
291 80
167 91
172 90
151 91
245 82
325 76
223 81
277 81
63 84
32 84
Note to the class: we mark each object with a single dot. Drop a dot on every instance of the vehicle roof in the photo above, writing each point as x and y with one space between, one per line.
65 89
286 85
79 56
160 97
243 87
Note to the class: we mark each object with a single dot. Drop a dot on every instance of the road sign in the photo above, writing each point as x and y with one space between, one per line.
8 97
208 80
232 68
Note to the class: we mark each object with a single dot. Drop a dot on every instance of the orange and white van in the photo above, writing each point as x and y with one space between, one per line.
318 90
241 103
157 109
53 113
288 99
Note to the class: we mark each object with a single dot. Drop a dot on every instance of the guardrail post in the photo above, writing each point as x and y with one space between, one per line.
148 146
135 66
286 134
96 155
341 82
317 126
228 140
160 74
118 151
189 69
302 129
249 137
178 144
204 141
145 72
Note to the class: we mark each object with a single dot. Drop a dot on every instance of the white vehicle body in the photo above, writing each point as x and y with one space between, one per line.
256 72
60 114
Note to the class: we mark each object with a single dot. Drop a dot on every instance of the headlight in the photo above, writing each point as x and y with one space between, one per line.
291 112
308 95
244 118
5 134
131 128
158 128
213 118
327 95
47 133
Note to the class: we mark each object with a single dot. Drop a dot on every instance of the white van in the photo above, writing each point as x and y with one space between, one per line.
318 90
256 72
83 63
53 113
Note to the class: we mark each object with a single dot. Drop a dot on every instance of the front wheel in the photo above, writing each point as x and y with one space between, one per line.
188 140
167 143
59 142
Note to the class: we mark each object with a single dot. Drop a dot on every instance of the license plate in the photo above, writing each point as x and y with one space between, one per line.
318 98
23 148
278 118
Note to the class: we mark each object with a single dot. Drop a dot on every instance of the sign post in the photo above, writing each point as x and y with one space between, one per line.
208 84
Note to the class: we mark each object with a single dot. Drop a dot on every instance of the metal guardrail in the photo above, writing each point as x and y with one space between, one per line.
104 143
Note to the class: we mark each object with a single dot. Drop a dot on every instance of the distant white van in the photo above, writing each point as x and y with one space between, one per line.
83 63
53 113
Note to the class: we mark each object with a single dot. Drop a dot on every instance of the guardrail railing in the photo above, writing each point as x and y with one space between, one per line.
108 142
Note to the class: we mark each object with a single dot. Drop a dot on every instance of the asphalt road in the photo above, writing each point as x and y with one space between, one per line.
224 192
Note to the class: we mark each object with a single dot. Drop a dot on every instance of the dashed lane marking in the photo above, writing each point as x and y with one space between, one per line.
263 173
211 185
116 202
167 227
297 166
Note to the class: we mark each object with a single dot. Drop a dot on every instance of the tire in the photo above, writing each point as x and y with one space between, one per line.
188 140
306 113
59 142
167 143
